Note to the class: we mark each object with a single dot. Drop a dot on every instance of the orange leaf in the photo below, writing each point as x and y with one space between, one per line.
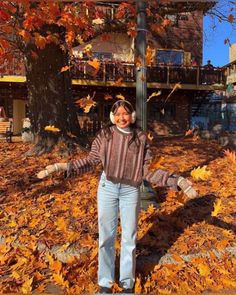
189 132
95 63
138 286
107 97
40 41
230 155
86 103
150 136
231 18
156 164
65 68
118 82
51 128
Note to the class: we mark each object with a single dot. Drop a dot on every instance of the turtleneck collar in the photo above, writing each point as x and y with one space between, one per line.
124 130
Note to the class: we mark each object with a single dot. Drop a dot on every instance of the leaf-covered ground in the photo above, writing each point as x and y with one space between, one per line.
183 246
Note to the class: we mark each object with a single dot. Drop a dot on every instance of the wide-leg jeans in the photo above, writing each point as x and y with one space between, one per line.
114 198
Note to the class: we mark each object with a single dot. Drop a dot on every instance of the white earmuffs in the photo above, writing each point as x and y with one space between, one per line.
133 114
112 117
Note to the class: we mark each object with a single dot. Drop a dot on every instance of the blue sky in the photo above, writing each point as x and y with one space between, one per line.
213 41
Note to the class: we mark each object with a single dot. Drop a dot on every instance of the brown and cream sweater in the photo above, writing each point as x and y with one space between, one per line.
122 163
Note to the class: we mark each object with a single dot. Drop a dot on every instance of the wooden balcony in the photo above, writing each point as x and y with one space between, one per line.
161 76
124 75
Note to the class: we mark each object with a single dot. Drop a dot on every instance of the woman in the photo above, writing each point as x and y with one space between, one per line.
125 156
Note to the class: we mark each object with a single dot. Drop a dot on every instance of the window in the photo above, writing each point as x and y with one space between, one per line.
173 57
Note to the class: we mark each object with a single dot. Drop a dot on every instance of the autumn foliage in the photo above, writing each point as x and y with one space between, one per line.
49 228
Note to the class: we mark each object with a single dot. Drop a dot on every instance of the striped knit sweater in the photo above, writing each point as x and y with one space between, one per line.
122 163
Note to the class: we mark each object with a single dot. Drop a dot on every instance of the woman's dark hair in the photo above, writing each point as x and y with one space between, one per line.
122 103
133 126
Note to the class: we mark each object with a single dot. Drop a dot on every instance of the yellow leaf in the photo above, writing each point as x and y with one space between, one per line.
15 275
27 286
12 223
98 21
120 96
203 269
154 94
88 48
64 247
51 128
58 278
217 208
200 173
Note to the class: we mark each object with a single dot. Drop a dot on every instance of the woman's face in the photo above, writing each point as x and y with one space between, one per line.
122 117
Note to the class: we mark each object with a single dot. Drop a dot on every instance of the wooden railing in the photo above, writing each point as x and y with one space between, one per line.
109 71
126 72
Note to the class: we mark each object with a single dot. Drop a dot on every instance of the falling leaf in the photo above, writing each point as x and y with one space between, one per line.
154 94
108 97
217 208
150 136
120 96
98 21
231 18
65 68
52 128
88 47
95 63
200 173
176 87
118 82
86 103
189 132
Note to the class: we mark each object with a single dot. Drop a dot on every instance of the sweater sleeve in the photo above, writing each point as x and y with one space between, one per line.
78 167
157 177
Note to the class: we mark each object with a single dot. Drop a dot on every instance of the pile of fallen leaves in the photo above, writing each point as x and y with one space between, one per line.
48 232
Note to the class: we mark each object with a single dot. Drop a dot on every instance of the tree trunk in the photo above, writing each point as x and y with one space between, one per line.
50 97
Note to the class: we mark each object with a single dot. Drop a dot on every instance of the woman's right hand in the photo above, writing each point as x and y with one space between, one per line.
51 169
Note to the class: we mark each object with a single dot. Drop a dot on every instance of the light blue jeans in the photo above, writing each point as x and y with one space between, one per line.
113 198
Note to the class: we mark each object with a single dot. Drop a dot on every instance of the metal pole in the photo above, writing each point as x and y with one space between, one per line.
141 71
148 195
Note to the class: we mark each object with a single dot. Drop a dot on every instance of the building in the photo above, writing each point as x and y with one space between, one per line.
176 65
